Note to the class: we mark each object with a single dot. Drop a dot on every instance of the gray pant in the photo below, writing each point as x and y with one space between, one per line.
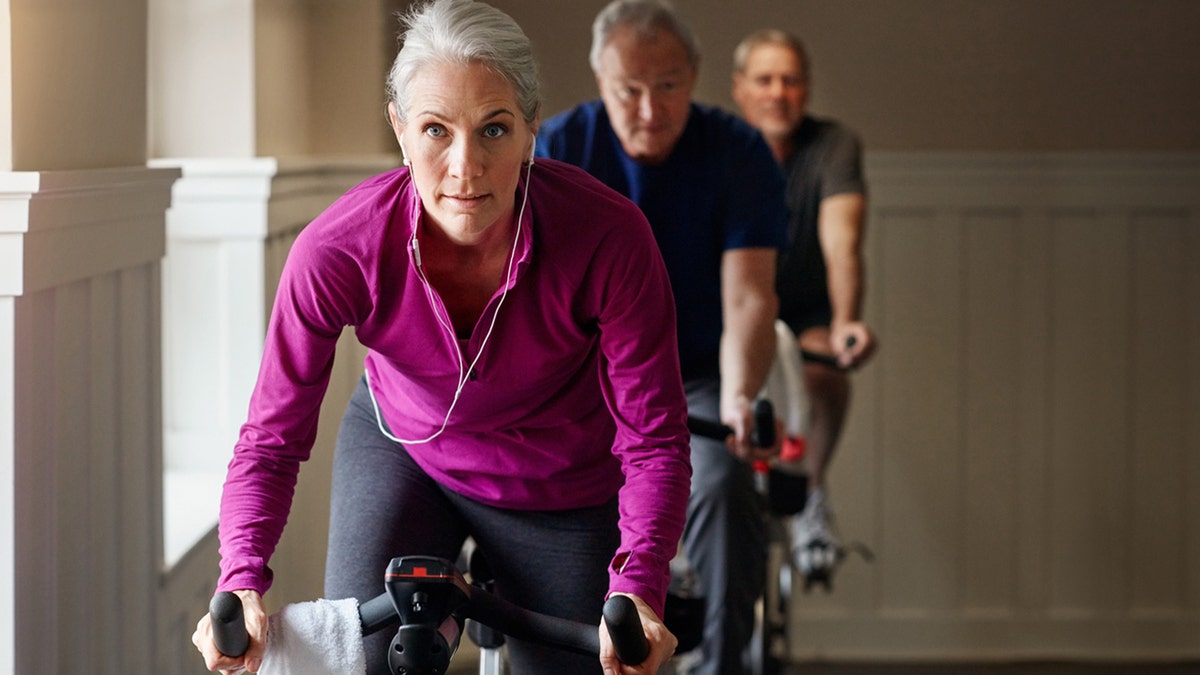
724 540
384 505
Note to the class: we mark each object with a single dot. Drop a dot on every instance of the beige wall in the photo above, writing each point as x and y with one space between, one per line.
1008 75
6 123
78 83
320 70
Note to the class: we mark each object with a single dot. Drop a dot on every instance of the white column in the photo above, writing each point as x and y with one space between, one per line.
15 189
214 314
201 78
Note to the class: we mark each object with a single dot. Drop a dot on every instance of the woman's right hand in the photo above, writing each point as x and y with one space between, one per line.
255 615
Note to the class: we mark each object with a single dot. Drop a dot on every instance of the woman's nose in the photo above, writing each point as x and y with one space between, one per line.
464 159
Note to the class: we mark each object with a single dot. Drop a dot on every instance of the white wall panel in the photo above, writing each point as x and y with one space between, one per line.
86 461
1026 439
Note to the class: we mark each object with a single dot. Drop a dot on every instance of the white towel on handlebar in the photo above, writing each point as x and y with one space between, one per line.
323 637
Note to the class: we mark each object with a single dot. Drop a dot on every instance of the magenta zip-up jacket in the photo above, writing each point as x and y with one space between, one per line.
576 396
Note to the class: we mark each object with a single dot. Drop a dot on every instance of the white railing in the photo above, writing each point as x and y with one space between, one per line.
80 420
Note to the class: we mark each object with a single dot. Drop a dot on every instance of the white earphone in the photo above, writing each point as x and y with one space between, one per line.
464 370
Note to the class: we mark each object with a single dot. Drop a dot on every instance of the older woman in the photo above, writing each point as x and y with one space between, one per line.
522 385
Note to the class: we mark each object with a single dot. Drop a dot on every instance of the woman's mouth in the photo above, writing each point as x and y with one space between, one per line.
466 198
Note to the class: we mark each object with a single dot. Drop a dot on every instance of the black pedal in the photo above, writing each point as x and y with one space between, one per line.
786 492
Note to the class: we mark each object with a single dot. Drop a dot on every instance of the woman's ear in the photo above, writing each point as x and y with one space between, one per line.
398 129
394 119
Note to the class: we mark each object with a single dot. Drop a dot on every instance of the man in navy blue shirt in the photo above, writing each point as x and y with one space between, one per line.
714 196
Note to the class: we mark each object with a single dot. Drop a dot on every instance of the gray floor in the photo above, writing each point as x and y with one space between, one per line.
466 662
1030 668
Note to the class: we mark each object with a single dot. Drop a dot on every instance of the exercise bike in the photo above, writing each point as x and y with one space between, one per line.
781 493
783 490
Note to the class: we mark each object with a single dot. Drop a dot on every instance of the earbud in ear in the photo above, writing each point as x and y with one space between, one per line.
532 150
404 155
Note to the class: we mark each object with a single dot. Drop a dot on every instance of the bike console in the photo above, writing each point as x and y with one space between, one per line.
428 594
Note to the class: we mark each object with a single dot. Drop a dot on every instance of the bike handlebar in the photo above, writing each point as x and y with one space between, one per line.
620 614
827 359
762 436
229 624
625 629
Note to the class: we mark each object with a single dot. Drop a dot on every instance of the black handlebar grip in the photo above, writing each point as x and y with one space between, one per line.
625 629
228 624
763 435
708 428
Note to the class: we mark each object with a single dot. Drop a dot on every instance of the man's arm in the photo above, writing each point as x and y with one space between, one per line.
841 222
749 308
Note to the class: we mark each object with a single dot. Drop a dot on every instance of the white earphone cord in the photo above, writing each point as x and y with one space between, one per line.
463 376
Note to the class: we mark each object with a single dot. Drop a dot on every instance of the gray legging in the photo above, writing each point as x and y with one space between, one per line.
724 541
384 505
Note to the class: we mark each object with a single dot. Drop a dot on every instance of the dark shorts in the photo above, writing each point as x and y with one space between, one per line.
801 313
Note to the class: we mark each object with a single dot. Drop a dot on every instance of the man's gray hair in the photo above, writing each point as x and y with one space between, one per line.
770 36
646 17
464 31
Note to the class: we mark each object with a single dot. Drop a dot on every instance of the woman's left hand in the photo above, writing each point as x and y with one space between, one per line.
662 644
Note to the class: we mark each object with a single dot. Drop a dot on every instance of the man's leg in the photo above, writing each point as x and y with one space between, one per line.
828 391
724 541
814 539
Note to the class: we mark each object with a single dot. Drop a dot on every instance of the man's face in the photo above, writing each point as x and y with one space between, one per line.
773 90
646 85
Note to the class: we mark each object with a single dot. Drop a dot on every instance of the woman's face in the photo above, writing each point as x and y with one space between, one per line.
465 140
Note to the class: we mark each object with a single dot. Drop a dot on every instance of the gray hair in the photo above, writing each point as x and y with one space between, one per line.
770 36
646 17
464 31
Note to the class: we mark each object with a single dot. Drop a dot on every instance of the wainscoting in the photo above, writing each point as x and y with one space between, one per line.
1024 454
80 443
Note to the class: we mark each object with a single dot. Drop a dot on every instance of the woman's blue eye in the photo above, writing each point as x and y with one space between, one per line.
435 131
494 131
